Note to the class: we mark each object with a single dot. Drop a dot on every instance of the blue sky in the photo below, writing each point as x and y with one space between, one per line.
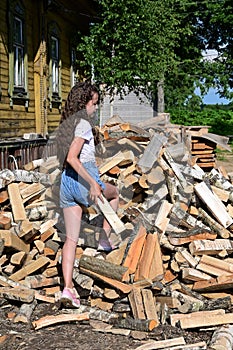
213 98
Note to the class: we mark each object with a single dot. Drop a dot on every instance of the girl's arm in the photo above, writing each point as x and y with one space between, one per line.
73 160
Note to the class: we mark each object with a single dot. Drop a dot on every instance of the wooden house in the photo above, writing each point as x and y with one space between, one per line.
38 63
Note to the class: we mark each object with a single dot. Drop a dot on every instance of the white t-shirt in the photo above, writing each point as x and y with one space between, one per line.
84 130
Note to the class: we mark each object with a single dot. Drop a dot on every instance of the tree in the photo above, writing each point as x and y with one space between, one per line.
132 45
151 44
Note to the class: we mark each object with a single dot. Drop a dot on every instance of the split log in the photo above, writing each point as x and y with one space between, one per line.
136 303
210 247
135 250
51 320
25 312
13 241
151 153
17 206
116 284
110 215
181 238
222 338
23 294
161 344
214 225
214 204
214 284
195 317
215 266
30 268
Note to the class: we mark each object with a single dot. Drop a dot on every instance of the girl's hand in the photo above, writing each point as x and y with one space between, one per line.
95 192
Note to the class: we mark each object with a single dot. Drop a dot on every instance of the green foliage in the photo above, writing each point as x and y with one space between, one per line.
137 43
220 120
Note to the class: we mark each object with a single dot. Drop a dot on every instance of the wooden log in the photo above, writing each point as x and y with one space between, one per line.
215 266
190 236
162 344
102 267
196 316
30 268
191 274
213 224
145 261
135 250
25 312
110 215
17 206
136 303
116 284
14 242
5 222
146 162
222 338
136 324
149 305
40 281
51 320
210 247
214 284
206 321
214 204
22 294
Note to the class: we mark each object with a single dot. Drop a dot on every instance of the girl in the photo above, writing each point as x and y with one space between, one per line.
80 181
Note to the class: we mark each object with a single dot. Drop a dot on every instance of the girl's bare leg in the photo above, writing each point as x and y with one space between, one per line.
72 217
112 195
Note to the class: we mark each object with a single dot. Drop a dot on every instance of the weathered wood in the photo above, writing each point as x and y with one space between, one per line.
146 162
51 320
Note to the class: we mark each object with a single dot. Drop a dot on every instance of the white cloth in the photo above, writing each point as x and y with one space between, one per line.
84 130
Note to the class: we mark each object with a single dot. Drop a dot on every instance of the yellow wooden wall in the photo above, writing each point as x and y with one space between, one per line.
16 120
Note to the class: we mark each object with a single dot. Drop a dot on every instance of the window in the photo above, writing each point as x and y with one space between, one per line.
18 84
54 95
73 68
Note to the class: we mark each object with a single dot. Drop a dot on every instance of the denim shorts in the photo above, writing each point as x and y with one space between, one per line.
74 189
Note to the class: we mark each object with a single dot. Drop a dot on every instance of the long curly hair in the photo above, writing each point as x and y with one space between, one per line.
80 94
74 109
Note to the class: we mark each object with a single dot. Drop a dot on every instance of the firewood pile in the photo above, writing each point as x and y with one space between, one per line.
175 227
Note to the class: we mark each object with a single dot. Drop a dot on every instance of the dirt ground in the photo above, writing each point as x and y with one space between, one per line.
81 335
70 336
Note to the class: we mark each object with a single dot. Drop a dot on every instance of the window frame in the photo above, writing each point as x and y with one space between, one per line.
54 64
18 69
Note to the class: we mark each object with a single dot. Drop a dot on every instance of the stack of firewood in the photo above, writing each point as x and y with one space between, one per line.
175 225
